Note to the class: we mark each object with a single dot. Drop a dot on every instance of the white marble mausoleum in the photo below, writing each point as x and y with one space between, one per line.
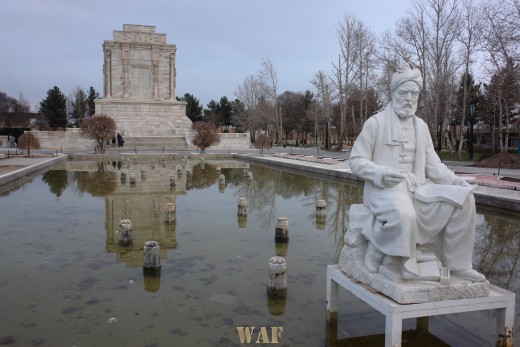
139 85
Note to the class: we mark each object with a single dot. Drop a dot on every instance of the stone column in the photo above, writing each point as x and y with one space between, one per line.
155 66
172 76
107 70
125 53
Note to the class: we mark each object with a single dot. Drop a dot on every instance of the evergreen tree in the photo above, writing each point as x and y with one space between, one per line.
91 96
54 108
193 107
79 106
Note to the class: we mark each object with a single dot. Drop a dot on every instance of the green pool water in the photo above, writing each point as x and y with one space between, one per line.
66 281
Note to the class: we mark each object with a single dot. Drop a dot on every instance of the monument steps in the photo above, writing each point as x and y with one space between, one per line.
154 143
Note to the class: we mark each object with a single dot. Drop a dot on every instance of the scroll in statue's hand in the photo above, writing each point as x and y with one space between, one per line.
392 177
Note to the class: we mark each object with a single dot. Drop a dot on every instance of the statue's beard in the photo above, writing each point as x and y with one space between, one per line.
405 111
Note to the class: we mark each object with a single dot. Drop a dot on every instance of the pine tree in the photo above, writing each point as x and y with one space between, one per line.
92 95
54 108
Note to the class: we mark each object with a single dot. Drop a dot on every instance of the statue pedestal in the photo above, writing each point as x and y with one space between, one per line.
352 263
430 287
501 300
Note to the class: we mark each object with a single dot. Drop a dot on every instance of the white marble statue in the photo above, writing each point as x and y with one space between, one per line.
414 198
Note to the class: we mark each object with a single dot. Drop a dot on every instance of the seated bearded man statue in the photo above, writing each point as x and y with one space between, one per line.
413 197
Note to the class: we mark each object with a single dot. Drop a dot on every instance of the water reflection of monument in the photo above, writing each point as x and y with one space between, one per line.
145 201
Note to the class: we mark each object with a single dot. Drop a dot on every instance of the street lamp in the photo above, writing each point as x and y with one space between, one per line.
472 109
327 146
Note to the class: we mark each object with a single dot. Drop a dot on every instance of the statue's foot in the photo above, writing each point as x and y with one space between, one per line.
410 269
469 275
373 258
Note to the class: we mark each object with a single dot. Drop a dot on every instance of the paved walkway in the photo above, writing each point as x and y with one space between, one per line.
497 188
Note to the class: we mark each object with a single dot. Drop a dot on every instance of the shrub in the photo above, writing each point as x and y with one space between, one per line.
205 135
101 128
28 141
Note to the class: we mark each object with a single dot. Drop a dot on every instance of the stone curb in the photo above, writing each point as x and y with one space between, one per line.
12 176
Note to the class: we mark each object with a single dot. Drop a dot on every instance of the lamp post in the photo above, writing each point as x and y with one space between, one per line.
327 146
472 109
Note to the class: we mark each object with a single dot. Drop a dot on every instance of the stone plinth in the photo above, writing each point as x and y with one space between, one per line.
146 117
352 263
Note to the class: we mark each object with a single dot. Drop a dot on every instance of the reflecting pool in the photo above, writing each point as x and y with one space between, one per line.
66 280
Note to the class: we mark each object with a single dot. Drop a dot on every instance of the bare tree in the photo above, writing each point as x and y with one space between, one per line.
262 142
205 135
28 141
501 42
100 128
269 77
345 72
426 38
322 110
250 93
469 37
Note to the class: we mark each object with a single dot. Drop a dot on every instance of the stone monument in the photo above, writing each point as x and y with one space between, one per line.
413 238
139 86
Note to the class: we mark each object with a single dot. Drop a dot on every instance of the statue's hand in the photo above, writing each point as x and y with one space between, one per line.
392 177
459 181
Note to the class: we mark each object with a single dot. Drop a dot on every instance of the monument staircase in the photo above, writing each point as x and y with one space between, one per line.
155 143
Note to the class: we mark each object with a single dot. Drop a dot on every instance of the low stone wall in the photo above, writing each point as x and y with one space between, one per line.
71 140
63 141
232 141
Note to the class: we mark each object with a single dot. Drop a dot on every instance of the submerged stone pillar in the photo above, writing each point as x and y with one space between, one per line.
321 208
221 183
169 212
125 232
242 213
152 258
242 206
277 286
321 214
281 231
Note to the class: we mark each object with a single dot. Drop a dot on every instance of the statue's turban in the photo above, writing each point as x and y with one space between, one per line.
404 74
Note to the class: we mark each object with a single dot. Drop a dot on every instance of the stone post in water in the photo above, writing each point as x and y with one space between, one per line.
242 206
169 212
321 214
242 213
277 286
281 231
152 258
221 183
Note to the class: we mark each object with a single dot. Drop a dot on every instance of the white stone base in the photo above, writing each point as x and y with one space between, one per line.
146 117
352 263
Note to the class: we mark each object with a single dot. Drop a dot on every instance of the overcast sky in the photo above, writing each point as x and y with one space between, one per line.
219 42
